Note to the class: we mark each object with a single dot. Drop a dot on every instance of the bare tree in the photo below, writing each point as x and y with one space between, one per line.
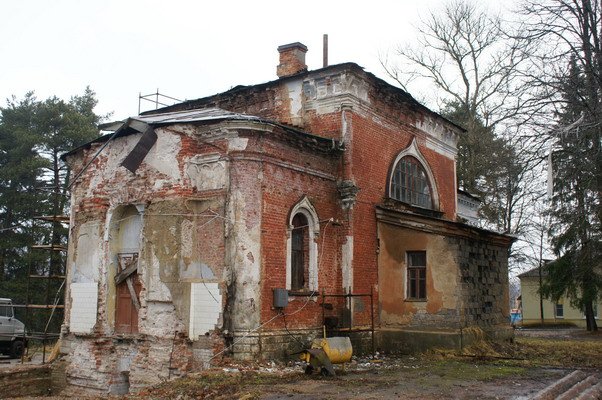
566 75
469 57
475 67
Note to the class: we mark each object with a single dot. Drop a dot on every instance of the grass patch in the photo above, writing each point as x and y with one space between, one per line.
561 353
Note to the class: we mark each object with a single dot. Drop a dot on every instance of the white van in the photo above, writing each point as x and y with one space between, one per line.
12 340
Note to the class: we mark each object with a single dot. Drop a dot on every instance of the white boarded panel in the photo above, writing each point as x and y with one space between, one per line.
84 302
205 308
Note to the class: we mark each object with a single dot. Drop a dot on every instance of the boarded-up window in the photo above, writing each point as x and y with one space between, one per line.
127 295
127 282
417 275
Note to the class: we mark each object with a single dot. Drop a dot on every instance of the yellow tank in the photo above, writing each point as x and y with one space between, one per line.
338 349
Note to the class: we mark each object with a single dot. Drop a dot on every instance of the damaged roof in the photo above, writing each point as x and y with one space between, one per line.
141 123
381 84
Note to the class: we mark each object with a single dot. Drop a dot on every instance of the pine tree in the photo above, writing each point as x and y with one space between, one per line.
575 209
33 182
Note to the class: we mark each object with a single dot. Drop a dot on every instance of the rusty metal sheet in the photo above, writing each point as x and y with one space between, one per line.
146 142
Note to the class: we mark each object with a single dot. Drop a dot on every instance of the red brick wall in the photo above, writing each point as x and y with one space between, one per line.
284 184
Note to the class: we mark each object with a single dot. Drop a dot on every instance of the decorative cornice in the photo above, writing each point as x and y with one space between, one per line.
440 226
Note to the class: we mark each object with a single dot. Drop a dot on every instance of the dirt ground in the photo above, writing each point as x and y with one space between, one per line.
483 371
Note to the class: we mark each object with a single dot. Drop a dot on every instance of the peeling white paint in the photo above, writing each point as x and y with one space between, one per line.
88 254
84 302
162 156
237 144
160 319
440 138
205 308
245 239
156 290
207 172
347 263
295 94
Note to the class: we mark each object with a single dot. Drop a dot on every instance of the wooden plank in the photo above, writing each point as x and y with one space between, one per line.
53 218
40 306
135 301
126 272
53 247
48 277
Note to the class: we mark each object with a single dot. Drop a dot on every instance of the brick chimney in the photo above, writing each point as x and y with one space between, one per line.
292 59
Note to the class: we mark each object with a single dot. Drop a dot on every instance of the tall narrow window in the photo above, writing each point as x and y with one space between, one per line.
299 253
127 283
303 228
410 183
416 268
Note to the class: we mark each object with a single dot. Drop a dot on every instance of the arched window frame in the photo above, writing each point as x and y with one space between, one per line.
304 207
413 151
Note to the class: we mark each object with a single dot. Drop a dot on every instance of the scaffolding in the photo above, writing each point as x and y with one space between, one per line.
157 99
56 271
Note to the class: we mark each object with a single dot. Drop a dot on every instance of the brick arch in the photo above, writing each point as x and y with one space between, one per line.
305 208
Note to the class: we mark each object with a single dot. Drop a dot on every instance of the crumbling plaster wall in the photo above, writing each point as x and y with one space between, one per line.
181 190
441 307
467 280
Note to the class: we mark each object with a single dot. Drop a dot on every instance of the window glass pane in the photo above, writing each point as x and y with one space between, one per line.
417 258
410 183
559 310
416 275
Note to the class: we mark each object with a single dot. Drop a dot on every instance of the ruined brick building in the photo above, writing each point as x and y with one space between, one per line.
325 182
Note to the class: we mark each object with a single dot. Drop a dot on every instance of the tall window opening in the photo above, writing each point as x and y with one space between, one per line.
299 253
410 183
416 268
127 281
302 247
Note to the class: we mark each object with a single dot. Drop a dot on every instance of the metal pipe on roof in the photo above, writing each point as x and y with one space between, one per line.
325 50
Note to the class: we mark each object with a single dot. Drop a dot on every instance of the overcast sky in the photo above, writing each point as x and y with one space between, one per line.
186 49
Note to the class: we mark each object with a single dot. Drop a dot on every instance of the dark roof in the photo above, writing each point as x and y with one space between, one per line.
534 272
467 194
379 83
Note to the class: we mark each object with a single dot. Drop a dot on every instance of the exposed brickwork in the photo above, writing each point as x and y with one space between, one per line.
292 59
25 381
216 196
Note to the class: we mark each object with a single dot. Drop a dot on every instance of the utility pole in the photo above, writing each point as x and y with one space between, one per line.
540 275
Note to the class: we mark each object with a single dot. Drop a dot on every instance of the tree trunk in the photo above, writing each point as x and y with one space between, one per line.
590 317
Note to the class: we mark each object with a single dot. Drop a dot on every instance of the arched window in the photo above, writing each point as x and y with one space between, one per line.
302 248
410 183
299 253
411 179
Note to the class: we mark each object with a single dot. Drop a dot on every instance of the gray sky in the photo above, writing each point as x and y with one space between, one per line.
186 49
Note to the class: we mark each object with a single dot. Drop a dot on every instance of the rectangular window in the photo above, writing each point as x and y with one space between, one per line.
6 311
559 310
416 262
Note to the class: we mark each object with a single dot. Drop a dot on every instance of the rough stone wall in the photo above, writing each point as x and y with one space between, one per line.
483 283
